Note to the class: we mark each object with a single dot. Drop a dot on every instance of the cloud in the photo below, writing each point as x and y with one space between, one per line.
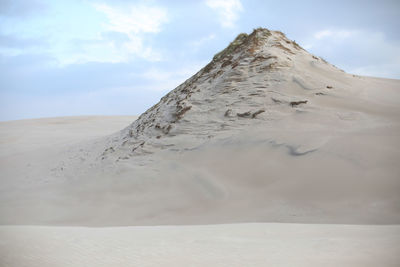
134 19
162 79
228 11
198 43
109 47
341 34
359 51
98 33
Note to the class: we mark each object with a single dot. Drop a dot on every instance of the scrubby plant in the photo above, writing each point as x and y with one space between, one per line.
240 39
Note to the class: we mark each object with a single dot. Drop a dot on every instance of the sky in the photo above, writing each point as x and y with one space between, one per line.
119 57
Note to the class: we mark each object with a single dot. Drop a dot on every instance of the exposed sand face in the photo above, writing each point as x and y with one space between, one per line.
206 245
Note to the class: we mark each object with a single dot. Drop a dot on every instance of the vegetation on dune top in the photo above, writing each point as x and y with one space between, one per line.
240 39
254 39
257 35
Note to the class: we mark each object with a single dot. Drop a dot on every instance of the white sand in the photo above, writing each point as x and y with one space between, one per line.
207 245
261 244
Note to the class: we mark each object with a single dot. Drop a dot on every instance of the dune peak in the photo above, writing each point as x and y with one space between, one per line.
233 92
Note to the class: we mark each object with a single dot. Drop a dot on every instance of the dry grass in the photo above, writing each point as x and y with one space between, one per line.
296 103
279 45
257 113
182 111
244 114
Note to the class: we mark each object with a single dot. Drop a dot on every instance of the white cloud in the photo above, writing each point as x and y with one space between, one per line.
109 33
340 34
134 19
119 38
330 36
228 10
169 79
202 41
108 51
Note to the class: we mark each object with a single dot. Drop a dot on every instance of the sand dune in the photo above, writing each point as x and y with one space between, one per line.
264 133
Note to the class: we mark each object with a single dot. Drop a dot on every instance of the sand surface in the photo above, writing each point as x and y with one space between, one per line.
254 244
202 245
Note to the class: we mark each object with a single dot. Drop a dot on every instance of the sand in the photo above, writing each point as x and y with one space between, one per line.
241 244
263 244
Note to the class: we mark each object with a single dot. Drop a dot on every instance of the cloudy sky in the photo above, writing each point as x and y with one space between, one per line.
88 57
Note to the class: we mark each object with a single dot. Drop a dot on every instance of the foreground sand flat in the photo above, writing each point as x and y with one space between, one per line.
261 244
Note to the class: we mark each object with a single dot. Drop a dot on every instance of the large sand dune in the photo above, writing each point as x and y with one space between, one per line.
265 133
